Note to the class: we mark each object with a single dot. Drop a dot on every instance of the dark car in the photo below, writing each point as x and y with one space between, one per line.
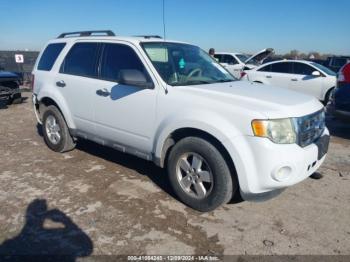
9 87
341 99
336 62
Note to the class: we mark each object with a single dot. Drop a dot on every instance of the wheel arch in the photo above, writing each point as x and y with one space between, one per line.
184 132
46 101
327 94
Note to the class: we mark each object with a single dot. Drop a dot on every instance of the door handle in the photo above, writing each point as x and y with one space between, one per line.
268 76
103 92
294 79
60 83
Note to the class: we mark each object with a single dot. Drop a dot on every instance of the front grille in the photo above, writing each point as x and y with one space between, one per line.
310 128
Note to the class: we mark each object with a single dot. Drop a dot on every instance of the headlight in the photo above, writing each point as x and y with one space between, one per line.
280 131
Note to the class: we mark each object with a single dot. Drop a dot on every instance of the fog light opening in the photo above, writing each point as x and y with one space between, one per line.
282 173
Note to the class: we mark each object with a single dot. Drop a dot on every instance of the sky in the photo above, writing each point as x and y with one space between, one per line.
227 25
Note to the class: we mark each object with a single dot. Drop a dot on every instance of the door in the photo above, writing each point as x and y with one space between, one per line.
124 114
231 64
303 81
77 81
276 74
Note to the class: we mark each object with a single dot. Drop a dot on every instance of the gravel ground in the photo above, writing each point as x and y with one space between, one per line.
94 201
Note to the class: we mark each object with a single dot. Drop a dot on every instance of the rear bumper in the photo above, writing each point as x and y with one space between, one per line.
260 163
35 107
341 102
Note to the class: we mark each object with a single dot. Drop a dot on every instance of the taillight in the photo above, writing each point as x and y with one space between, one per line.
32 82
344 74
243 74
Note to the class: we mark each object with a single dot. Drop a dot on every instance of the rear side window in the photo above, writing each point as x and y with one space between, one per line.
265 69
229 59
118 57
49 56
303 69
219 58
81 60
283 67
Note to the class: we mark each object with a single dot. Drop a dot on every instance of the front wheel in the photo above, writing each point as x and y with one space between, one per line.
200 175
55 131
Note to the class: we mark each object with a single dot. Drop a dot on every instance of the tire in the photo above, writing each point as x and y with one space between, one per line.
327 97
16 99
54 122
214 166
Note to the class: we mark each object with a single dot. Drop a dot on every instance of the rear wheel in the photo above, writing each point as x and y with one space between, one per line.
55 131
199 174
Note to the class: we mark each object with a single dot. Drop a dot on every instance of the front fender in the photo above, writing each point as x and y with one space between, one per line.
207 121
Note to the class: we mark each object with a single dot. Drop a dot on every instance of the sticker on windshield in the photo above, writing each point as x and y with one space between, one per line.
182 63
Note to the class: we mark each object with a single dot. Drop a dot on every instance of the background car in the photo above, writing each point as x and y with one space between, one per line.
235 63
9 87
336 62
299 75
341 99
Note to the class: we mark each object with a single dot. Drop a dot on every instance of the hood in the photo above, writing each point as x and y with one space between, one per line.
272 102
5 74
260 56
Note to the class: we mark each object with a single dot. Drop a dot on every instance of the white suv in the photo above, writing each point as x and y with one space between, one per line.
171 103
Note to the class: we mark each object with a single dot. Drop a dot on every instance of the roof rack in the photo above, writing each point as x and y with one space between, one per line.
87 33
149 36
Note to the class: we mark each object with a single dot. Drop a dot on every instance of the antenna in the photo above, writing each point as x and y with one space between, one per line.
164 33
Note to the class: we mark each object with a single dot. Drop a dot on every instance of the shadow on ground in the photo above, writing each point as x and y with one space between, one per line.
143 167
4 103
156 174
48 235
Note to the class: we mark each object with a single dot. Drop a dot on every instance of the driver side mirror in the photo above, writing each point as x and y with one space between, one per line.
316 73
132 77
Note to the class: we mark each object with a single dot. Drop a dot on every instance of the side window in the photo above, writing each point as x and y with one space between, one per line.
303 69
81 60
118 57
229 59
49 56
265 69
219 58
283 67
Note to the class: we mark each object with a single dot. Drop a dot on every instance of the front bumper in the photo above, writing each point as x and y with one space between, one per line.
259 162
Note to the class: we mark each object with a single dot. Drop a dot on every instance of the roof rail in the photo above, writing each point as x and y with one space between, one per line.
87 33
149 36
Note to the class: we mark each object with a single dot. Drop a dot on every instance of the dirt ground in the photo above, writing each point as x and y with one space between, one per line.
94 200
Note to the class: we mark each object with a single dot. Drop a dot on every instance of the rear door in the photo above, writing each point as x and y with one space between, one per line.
278 74
77 81
303 81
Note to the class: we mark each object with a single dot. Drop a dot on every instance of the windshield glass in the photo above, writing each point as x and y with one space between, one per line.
242 57
183 64
324 69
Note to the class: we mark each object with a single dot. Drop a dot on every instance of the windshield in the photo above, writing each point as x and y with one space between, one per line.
324 69
183 64
242 57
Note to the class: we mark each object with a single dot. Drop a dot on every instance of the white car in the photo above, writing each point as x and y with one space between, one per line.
235 63
171 103
298 75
